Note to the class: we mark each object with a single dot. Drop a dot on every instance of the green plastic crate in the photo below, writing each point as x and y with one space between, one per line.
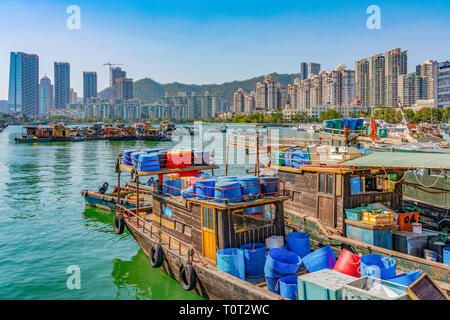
325 284
355 214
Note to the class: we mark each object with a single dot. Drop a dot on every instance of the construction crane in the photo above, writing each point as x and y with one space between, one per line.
110 75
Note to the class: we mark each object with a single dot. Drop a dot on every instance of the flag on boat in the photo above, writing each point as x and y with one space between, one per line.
373 130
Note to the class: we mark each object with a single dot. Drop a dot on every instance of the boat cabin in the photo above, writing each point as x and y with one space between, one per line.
325 192
209 224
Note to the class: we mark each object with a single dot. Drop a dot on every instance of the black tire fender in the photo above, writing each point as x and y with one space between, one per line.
119 224
187 283
156 256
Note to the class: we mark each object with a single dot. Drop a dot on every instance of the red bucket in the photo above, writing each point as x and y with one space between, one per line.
348 263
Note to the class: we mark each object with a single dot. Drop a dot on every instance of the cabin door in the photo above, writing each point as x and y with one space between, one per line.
209 233
326 212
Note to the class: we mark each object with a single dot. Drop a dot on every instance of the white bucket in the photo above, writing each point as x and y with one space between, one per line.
417 228
275 242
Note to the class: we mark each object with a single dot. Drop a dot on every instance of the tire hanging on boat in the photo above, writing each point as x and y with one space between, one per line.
187 283
133 175
119 224
156 256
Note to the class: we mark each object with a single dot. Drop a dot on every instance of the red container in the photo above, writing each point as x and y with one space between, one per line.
348 263
406 220
179 158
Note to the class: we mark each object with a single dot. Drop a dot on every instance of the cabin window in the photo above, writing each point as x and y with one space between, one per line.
435 172
205 217
322 183
187 230
167 211
208 218
330 183
253 217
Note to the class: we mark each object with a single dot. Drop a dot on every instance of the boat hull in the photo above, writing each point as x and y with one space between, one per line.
105 202
212 283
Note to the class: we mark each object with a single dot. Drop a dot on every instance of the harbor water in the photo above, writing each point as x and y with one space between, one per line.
47 232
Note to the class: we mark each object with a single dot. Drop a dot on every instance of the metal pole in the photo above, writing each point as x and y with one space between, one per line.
118 189
137 198
226 157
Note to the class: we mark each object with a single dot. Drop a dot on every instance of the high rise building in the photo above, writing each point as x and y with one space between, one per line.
395 65
116 73
124 88
267 94
89 85
73 97
376 81
362 81
430 70
308 68
23 95
218 104
62 84
250 103
239 101
45 95
443 99
332 88
410 87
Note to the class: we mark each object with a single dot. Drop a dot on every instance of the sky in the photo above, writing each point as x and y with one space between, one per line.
214 41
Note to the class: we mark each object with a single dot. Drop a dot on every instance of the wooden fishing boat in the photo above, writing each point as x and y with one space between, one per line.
181 236
36 134
321 195
108 201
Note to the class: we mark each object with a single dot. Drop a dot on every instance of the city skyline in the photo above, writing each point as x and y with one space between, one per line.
162 33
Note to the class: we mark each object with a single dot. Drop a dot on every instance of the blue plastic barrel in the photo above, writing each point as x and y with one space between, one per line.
269 185
249 185
135 157
345 122
233 192
231 260
378 266
353 124
203 174
320 259
359 122
254 258
356 185
281 262
172 187
328 124
188 192
300 157
446 255
298 242
127 156
407 278
273 284
288 287
288 156
148 162
204 189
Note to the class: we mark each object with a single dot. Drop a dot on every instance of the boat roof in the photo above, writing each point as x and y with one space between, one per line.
402 160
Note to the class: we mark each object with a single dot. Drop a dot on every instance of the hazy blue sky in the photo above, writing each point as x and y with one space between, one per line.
201 41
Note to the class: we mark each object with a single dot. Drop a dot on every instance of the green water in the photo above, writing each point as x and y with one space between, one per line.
45 227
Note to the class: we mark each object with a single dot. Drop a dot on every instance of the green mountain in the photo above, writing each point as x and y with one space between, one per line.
148 89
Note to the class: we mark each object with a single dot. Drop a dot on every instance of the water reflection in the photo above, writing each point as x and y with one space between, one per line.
136 279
